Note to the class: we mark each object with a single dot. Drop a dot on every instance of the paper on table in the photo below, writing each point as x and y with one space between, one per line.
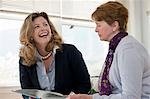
35 93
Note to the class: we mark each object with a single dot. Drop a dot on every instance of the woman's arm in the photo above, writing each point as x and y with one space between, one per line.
24 76
79 70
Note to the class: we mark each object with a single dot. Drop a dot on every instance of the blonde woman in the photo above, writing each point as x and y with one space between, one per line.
47 63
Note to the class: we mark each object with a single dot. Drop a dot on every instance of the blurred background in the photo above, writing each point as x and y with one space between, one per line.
72 19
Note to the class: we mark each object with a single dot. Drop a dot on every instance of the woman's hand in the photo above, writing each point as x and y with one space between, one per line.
79 96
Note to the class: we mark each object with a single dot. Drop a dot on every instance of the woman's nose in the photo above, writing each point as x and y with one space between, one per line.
43 27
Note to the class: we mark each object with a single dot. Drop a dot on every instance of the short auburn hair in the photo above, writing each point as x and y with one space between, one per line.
110 12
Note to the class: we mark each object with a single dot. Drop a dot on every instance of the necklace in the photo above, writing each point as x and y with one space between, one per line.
47 56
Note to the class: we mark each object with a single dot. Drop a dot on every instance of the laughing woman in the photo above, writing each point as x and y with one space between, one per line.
46 63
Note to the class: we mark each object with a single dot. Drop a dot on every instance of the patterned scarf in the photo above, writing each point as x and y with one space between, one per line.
105 88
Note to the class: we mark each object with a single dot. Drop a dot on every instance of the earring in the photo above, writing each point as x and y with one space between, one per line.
31 40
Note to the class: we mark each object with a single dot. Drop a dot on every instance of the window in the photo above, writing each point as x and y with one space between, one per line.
87 41
9 48
84 38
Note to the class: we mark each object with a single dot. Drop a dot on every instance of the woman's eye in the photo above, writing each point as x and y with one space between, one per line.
98 25
45 24
36 26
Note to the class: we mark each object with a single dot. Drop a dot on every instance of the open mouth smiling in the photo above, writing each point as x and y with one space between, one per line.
44 34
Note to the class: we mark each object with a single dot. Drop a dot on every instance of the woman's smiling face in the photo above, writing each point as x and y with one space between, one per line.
42 32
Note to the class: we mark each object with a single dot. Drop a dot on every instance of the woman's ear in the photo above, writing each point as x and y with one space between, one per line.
115 26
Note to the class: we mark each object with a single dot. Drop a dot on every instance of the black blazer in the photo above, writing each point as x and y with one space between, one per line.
71 73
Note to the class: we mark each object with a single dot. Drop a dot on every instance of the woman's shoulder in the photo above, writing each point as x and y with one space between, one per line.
130 39
22 63
68 46
130 43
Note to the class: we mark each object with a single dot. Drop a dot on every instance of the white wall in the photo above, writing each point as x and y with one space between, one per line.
146 23
139 21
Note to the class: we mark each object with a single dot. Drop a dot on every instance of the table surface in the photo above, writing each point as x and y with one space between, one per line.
6 93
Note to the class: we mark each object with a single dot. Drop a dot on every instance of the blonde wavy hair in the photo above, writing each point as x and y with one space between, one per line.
28 49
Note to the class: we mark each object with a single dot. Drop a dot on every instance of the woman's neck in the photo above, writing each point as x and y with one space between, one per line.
41 50
113 34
